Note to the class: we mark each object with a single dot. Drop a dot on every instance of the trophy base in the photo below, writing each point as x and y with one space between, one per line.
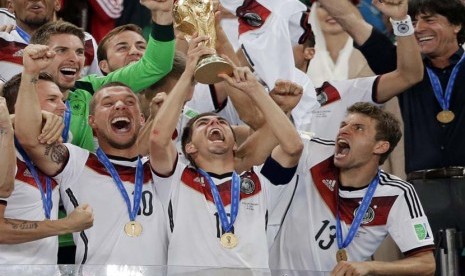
209 67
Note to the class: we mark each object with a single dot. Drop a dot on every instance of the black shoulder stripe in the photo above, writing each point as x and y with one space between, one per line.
7 13
83 236
410 195
323 141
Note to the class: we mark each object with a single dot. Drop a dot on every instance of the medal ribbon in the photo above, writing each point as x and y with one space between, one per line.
444 98
358 216
25 36
46 196
138 185
235 195
66 120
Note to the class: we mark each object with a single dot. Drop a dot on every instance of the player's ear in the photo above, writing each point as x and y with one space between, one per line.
103 65
190 148
91 121
381 147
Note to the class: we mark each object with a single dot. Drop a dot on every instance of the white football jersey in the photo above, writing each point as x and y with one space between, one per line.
194 224
25 203
335 97
307 238
86 180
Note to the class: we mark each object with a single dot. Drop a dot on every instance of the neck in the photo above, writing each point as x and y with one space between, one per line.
216 165
28 29
357 177
126 153
335 43
442 61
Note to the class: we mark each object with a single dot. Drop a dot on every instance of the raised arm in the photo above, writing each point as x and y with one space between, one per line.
259 144
163 152
7 152
349 17
49 158
157 60
290 146
409 69
418 264
248 112
14 231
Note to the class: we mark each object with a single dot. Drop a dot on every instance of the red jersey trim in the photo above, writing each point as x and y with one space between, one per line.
191 178
127 174
24 175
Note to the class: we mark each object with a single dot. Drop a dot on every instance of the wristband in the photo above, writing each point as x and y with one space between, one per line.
402 27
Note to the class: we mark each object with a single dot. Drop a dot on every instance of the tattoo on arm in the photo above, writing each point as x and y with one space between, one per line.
58 153
21 225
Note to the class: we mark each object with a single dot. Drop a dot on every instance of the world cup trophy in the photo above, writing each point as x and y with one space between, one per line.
191 16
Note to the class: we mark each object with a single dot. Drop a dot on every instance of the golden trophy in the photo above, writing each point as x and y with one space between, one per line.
192 16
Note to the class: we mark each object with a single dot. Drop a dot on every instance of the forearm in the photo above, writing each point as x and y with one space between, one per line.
282 128
167 117
28 116
15 231
143 139
156 63
409 61
7 161
423 264
162 17
349 17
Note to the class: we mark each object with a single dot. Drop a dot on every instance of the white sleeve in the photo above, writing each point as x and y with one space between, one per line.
165 186
73 168
408 224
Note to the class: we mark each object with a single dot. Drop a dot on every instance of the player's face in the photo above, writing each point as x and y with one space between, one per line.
212 135
355 142
50 97
69 60
123 49
436 36
117 118
35 13
327 23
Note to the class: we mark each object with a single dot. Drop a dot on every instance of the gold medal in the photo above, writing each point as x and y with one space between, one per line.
228 240
133 229
445 116
341 255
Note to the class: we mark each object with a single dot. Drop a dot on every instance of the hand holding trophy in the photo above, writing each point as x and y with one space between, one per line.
197 16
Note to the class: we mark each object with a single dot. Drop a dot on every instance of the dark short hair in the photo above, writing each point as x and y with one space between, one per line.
387 126
43 34
11 89
453 10
186 136
93 101
102 46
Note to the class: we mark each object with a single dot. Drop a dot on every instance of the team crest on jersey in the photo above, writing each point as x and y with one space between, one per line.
369 215
330 183
421 231
247 185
